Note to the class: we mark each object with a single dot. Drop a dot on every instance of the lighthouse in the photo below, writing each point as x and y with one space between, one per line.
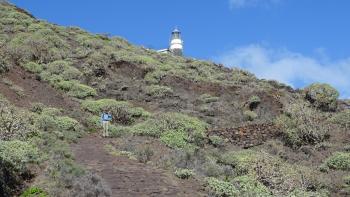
176 43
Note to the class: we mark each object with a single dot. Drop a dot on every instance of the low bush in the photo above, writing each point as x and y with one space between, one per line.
249 115
346 180
241 76
18 154
322 96
33 67
174 129
34 192
339 161
220 188
158 91
155 77
302 125
122 111
4 66
207 98
216 141
249 186
183 173
15 123
51 119
81 91
342 119
280 177
212 169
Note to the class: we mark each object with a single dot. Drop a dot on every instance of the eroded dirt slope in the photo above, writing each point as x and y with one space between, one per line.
128 177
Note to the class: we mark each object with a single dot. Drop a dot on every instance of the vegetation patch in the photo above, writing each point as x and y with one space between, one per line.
183 173
322 96
302 125
339 161
280 177
249 115
34 192
175 129
18 154
15 123
341 118
207 98
220 188
216 141
122 111
33 67
158 91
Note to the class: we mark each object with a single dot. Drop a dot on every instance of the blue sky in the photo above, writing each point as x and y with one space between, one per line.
294 41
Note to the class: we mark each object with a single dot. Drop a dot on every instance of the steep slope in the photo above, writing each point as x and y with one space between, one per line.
174 117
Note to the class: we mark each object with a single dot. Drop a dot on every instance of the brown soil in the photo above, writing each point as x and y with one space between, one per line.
34 91
129 177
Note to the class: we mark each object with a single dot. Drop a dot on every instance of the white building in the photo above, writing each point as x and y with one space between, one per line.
176 44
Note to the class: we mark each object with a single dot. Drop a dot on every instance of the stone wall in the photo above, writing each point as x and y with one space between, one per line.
249 135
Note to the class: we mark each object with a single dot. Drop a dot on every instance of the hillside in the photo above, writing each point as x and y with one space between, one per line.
181 126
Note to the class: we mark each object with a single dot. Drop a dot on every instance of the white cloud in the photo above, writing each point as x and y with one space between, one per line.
252 3
291 68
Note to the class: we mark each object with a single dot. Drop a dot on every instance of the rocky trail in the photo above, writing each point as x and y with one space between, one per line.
128 177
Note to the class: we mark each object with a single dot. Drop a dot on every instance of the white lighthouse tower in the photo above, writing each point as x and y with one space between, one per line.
176 43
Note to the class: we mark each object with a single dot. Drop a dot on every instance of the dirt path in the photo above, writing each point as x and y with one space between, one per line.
129 177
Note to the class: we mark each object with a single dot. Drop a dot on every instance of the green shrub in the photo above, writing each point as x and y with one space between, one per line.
183 173
4 66
33 67
207 98
67 124
93 121
302 125
15 123
322 96
71 73
346 180
219 188
241 161
34 192
339 161
175 129
155 77
280 177
212 169
158 91
51 119
217 141
81 91
118 131
18 154
342 119
250 115
175 139
72 87
241 76
249 186
42 46
122 111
